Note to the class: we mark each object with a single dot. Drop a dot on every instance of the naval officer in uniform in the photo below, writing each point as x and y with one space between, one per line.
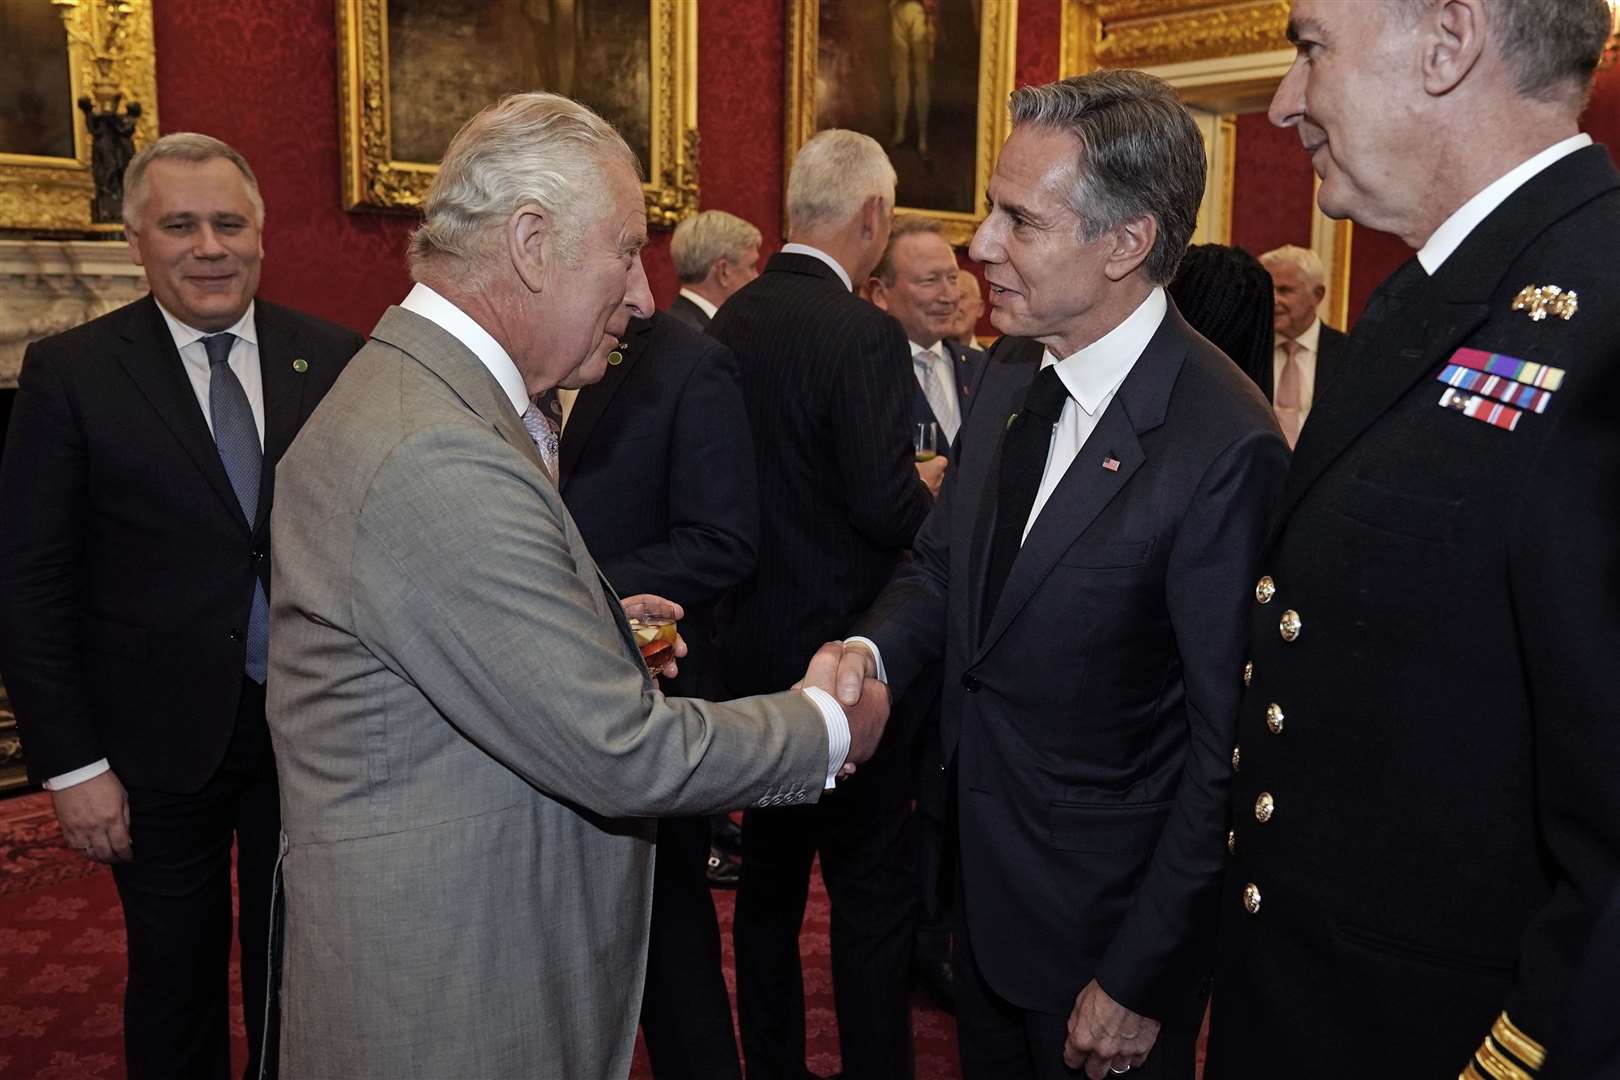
1426 812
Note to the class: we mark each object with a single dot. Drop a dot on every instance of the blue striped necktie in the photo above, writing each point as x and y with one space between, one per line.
237 437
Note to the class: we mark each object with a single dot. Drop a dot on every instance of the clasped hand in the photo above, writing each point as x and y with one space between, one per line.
849 674
1105 1036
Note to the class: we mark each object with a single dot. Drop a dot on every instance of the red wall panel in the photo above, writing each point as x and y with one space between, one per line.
1271 187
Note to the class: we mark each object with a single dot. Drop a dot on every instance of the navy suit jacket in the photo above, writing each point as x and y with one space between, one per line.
656 465
126 563
688 313
1091 720
1330 349
965 367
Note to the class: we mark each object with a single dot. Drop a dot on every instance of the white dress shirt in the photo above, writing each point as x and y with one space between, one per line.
1092 376
244 363
702 303
461 326
1450 235
817 253
949 409
1304 359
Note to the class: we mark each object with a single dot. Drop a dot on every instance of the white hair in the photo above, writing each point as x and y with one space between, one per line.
526 148
1305 260
833 175
193 148
704 239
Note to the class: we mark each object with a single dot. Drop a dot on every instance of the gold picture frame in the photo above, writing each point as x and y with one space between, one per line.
997 26
375 179
109 51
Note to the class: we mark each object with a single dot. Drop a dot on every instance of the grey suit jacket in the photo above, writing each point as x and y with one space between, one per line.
468 744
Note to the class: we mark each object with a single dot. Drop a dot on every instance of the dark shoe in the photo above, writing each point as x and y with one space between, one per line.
722 872
726 835
937 979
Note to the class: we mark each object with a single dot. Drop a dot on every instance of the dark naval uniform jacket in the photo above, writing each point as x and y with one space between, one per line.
1426 813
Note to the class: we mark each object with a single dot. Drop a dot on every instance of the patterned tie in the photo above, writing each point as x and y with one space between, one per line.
237 437
1286 398
543 420
934 391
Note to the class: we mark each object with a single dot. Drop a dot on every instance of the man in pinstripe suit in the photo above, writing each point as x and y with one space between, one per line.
827 381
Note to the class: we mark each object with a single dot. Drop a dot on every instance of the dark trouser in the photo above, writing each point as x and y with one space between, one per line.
177 910
1000 1041
861 831
685 1013
935 843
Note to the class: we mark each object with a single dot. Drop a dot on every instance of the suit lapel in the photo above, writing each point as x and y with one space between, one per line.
154 365
283 388
593 401
997 389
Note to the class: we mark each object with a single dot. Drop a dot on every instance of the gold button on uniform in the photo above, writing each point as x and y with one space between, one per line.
1237 758
1264 807
1231 841
1251 898
1265 589
1248 672
1290 625
1274 718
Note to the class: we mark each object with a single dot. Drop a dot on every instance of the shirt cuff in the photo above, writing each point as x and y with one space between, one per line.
837 732
882 675
96 768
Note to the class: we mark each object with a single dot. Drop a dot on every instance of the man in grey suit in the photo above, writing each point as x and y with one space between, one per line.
715 254
470 747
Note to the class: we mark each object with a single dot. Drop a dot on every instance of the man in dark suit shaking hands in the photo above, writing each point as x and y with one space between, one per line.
136 492
1308 351
715 254
1083 576
827 383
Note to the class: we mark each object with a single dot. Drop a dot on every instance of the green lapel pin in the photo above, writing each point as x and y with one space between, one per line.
300 365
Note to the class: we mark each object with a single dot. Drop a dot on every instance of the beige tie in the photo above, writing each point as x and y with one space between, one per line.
1286 398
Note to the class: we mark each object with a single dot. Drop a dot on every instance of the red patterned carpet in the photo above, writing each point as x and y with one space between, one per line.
62 965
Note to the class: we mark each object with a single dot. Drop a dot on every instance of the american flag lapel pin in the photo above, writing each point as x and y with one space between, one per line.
1111 463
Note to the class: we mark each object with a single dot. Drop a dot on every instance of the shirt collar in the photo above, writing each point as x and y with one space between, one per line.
702 303
1450 235
1096 371
1309 340
937 348
184 335
458 324
817 253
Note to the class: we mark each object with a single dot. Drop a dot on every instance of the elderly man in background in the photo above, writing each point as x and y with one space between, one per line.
827 381
1308 353
1426 824
471 746
136 493
715 254
969 307
1082 579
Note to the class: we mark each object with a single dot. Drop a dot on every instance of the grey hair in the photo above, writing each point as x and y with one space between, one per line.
833 175
1140 155
704 239
534 148
1552 46
188 146
904 225
1305 260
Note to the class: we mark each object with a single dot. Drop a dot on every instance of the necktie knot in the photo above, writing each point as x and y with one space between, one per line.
1291 348
218 347
1046 395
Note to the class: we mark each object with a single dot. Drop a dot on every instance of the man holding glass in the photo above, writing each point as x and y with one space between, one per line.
469 745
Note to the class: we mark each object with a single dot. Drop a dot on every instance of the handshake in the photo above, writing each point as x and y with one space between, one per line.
849 674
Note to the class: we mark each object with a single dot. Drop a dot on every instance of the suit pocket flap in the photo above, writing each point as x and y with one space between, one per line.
1106 827
1117 555
1418 516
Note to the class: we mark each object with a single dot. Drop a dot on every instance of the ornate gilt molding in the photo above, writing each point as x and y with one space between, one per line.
998 30
1145 33
110 50
1078 30
373 179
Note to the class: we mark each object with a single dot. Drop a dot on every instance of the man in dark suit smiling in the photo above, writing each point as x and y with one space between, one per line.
1082 577
137 487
